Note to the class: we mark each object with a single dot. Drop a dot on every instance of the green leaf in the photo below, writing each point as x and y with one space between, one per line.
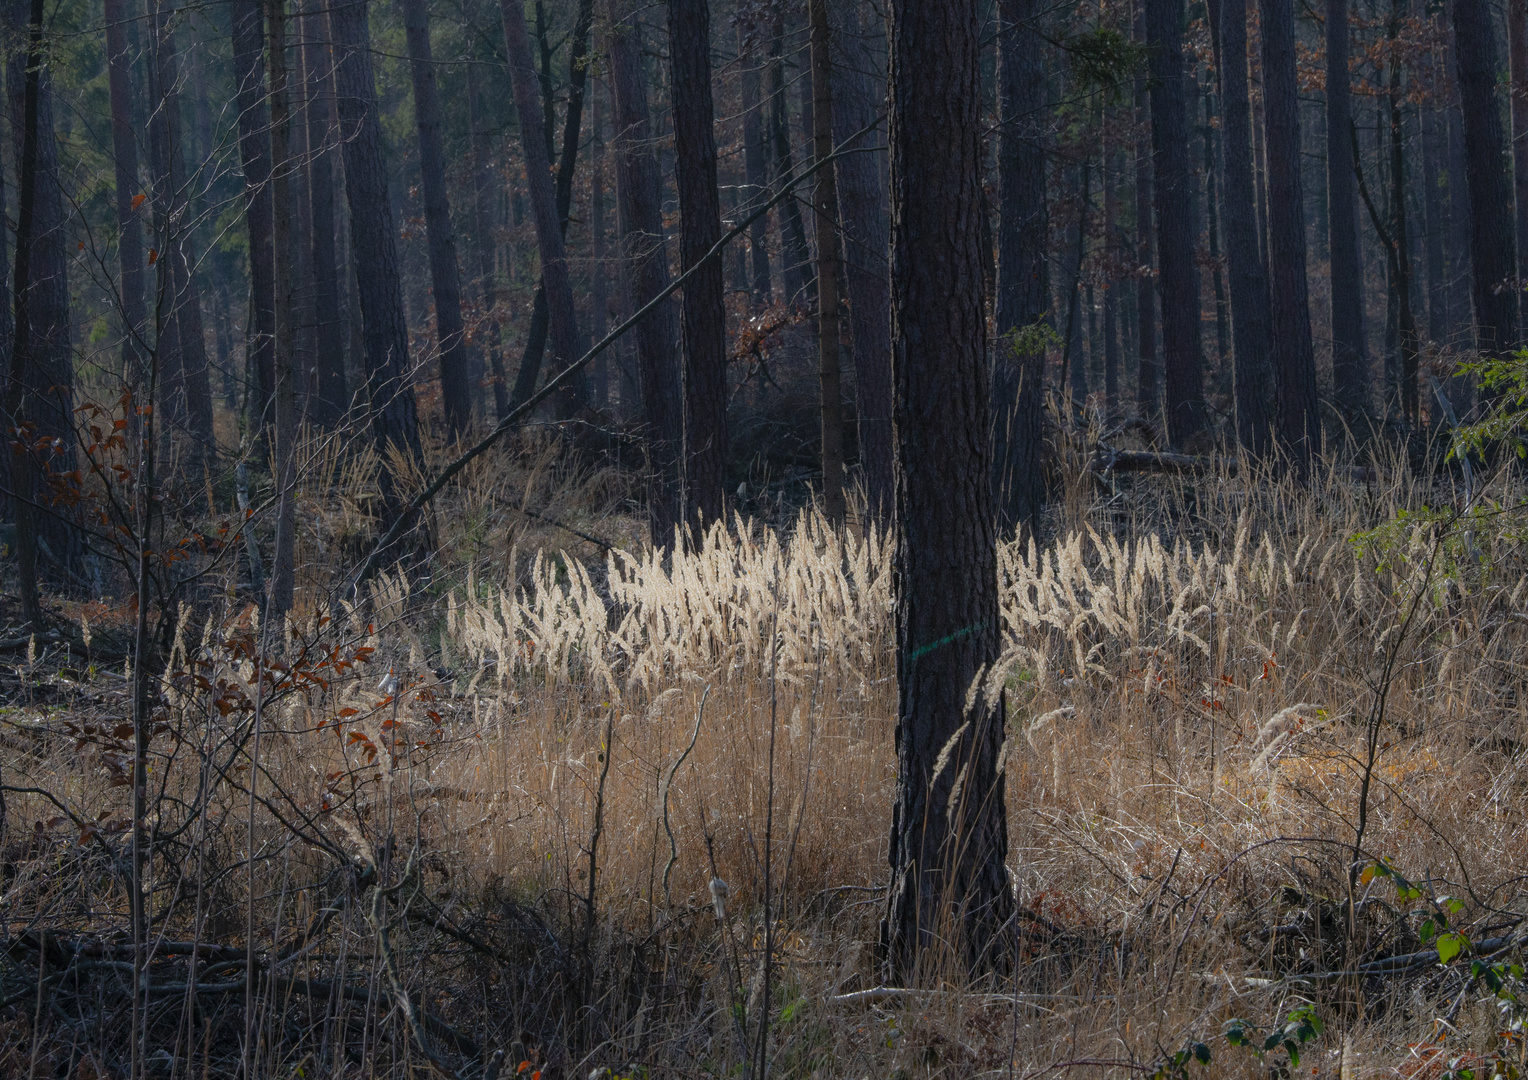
1451 945
1201 1053
1429 928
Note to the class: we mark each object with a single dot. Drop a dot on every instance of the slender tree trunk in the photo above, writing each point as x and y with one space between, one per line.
1401 241
374 247
120 32
1517 63
444 276
599 302
304 313
1212 228
829 265
1149 376
639 187
949 843
1294 358
330 397
1074 369
255 155
1111 290
1350 377
862 212
1492 247
283 571
704 315
1251 330
185 391
755 158
795 272
556 288
1438 330
483 198
1173 181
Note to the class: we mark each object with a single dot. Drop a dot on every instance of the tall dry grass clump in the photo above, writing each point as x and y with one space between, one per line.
526 804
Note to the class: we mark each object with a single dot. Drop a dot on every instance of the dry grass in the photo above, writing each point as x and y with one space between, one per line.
1193 675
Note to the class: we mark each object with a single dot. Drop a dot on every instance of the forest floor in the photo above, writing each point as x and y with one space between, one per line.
1264 794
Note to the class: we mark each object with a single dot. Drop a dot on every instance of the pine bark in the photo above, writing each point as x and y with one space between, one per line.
1148 371
1517 65
639 193
1494 267
1251 330
255 156
1173 189
862 213
1350 377
329 397
949 845
284 431
703 326
829 265
120 35
1294 357
374 247
445 279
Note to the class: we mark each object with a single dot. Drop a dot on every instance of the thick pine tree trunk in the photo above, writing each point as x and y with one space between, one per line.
829 265
704 329
374 247
445 279
483 204
755 159
1173 188
185 390
1018 375
255 155
556 288
1350 377
1294 358
328 397
949 844
1148 372
862 212
639 190
1491 235
119 62
1250 326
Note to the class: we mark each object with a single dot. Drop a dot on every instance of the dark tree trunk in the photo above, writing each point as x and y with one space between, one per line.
185 391
1074 366
255 155
1173 188
120 31
1491 235
283 568
829 265
374 246
1111 289
483 200
1350 377
949 843
444 276
328 397
1438 331
1250 327
1517 64
755 159
704 329
795 272
556 294
599 302
639 188
1294 357
862 211
1212 227
1148 378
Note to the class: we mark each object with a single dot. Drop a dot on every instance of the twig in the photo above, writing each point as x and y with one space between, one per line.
700 712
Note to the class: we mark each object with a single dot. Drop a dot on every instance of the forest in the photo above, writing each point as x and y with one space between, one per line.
747 538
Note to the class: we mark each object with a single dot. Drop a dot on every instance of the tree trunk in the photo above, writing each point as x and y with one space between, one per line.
599 302
283 570
1517 63
483 199
120 30
556 288
1492 247
255 155
374 247
829 265
1173 188
1294 358
795 272
639 191
1111 290
755 158
1212 228
862 212
704 329
185 391
1435 225
1149 376
1074 368
1350 377
1250 325
949 845
329 399
444 277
